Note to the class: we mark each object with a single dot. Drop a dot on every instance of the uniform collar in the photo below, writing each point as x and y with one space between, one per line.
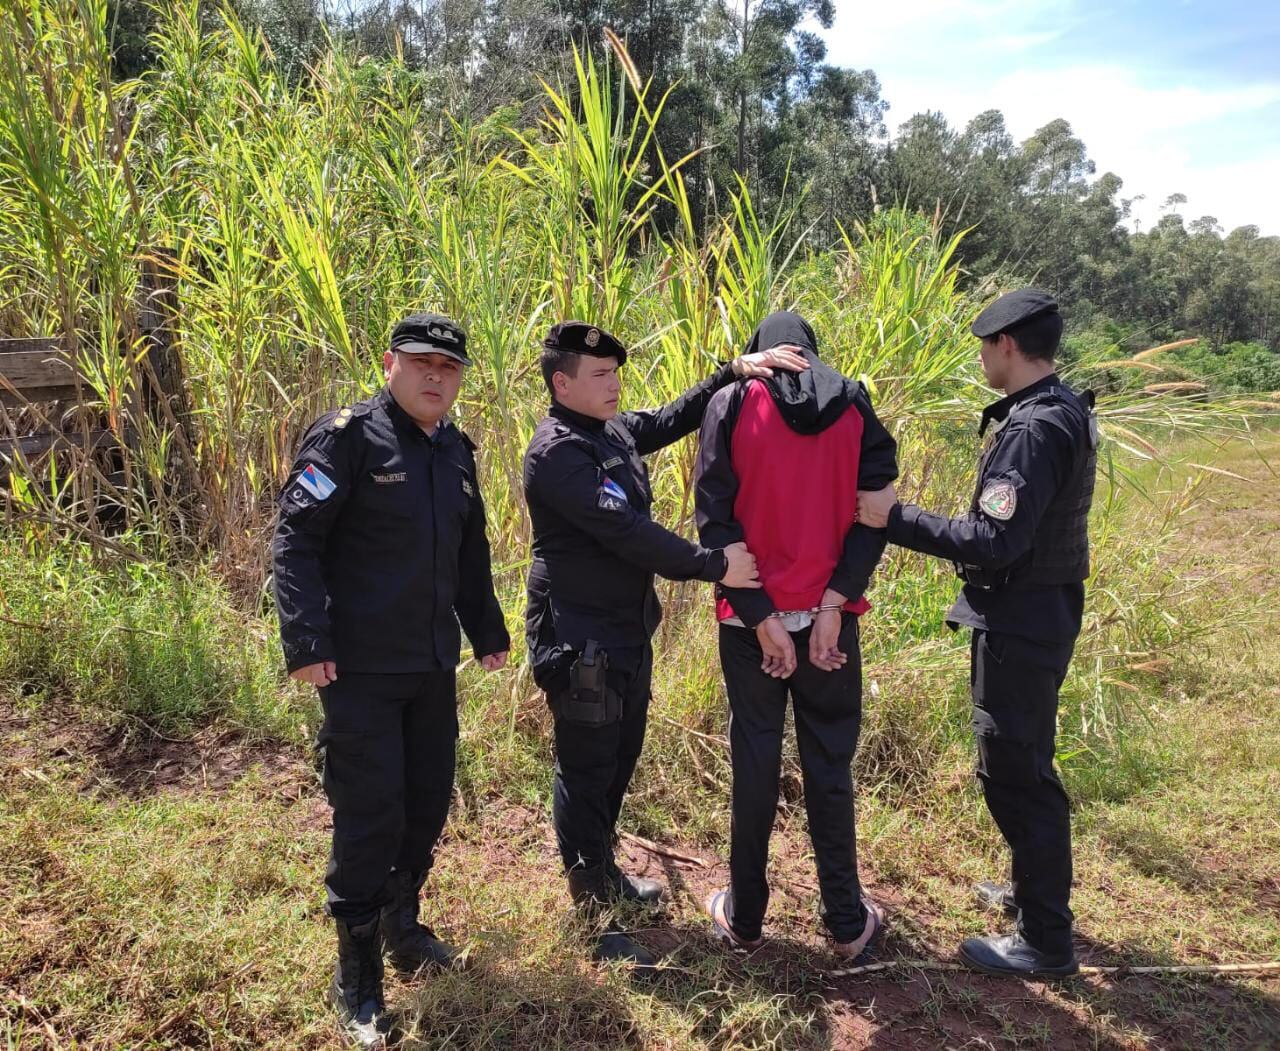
998 411
588 423
406 423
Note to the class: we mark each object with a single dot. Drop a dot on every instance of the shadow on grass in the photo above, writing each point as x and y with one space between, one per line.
784 995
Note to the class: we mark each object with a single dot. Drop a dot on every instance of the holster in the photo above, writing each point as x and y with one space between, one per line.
589 700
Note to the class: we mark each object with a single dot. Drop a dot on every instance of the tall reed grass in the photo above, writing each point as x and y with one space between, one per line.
301 220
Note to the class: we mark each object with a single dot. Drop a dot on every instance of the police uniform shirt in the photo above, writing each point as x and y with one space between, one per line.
380 547
595 548
1038 444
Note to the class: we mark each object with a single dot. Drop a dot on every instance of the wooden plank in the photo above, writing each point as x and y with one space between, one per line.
41 394
48 344
38 444
34 369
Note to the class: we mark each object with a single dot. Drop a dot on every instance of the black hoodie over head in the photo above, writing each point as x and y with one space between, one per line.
809 401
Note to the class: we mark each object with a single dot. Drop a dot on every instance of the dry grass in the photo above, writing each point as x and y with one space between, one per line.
147 900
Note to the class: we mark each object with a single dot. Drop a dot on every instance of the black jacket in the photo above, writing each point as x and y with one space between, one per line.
380 548
595 548
808 403
1023 546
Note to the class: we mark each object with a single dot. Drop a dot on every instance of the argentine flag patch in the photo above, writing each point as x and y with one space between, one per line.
316 482
611 496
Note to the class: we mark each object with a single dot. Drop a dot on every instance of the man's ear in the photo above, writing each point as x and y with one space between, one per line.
559 382
388 358
1007 344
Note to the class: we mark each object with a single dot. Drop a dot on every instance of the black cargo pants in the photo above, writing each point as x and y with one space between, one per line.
1015 685
828 718
389 750
594 764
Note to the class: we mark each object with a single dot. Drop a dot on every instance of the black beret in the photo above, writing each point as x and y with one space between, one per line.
577 337
1011 309
430 334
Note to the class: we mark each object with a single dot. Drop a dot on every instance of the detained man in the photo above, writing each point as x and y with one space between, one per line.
779 466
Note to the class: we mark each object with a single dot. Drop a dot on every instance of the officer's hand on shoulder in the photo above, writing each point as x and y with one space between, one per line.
741 571
494 661
319 674
763 362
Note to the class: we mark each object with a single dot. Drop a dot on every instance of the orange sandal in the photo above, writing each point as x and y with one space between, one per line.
723 929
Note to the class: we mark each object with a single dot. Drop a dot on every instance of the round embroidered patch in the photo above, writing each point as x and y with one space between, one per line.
593 338
999 500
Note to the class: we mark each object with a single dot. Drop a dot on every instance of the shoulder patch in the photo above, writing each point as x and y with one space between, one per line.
316 482
999 500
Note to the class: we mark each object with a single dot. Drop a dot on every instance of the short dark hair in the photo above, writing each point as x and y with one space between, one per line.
1038 337
554 361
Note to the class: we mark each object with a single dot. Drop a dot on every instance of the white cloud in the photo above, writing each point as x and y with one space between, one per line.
952 31
1150 137
1162 130
1235 194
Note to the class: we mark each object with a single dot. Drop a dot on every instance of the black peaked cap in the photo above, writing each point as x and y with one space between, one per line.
577 337
1012 309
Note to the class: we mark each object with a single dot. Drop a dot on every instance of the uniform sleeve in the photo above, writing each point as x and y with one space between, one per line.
568 481
716 490
477 605
1021 479
877 467
654 429
319 484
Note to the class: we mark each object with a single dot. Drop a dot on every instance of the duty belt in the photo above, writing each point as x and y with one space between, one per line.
983 579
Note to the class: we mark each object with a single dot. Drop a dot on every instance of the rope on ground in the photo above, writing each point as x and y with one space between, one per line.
1117 969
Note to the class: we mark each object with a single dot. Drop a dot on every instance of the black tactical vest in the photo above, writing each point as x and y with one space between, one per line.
1060 548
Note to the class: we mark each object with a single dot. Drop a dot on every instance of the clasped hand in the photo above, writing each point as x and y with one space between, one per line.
874 507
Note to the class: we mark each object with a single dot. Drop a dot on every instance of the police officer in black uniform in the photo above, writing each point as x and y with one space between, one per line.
592 607
1023 554
379 552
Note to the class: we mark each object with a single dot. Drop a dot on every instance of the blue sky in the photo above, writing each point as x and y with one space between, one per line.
1172 95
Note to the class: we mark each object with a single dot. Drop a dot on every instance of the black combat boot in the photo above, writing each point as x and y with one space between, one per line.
356 991
626 887
593 892
1014 955
409 944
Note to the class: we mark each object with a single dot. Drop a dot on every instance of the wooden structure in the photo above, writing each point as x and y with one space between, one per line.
40 386
37 372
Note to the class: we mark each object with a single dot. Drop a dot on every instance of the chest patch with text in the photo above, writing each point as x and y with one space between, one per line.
390 477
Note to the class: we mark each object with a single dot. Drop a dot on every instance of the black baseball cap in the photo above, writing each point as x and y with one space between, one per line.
430 334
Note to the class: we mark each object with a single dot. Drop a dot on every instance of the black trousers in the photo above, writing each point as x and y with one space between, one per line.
828 717
1015 685
594 764
389 751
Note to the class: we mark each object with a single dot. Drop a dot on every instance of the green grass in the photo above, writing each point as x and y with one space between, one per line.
139 874
164 647
145 908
